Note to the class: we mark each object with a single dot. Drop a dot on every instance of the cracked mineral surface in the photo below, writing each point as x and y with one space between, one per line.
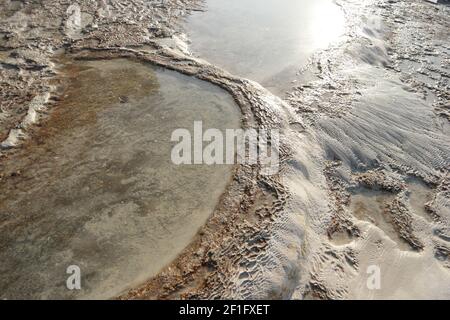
364 155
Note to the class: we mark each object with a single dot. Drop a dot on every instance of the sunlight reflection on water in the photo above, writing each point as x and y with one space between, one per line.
266 41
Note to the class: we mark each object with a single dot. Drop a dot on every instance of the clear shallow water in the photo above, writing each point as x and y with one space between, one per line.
370 205
98 188
266 41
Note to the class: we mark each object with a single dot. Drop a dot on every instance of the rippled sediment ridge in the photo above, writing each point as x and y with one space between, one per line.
96 188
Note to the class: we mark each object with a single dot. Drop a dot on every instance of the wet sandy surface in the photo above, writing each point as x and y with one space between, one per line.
97 188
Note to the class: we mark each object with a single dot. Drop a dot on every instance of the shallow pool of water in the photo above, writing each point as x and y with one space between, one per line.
370 205
419 195
97 188
266 41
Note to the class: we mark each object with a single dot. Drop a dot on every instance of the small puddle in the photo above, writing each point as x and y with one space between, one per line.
341 238
98 190
265 41
369 205
419 195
